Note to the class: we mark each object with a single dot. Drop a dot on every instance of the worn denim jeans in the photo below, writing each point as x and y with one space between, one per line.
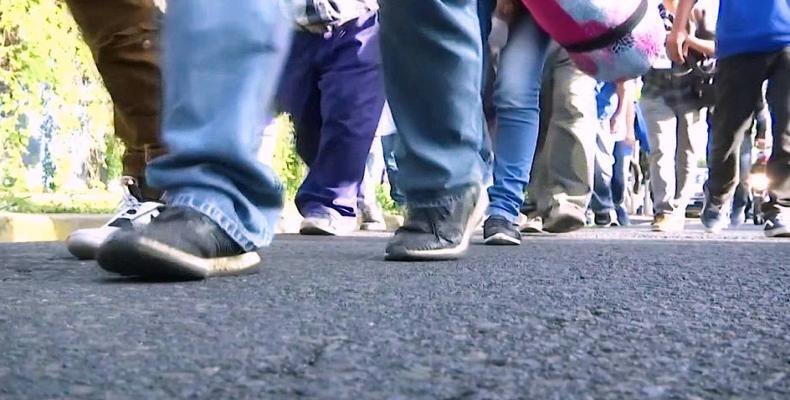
517 102
432 59
221 65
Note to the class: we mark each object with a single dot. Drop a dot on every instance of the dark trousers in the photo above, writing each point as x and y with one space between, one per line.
739 87
123 36
333 89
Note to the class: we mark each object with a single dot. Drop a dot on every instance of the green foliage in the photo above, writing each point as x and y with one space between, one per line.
50 203
285 162
385 201
46 72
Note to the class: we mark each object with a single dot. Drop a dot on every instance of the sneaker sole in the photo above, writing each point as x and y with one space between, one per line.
501 239
564 224
82 250
373 227
667 230
148 258
777 233
452 253
313 230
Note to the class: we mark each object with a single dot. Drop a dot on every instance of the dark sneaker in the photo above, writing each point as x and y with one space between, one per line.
498 231
134 210
439 233
180 243
606 219
777 227
714 218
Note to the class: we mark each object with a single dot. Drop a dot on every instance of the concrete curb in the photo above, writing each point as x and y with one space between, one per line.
16 227
45 227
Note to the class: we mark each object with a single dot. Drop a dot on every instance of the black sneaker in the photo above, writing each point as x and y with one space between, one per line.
606 220
439 233
498 231
180 243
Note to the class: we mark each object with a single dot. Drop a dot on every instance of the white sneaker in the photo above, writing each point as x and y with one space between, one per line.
328 223
372 218
83 243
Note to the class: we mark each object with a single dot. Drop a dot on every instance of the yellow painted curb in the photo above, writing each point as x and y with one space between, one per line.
45 227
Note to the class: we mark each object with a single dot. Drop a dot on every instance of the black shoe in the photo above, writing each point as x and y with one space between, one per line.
439 233
180 243
498 231
605 220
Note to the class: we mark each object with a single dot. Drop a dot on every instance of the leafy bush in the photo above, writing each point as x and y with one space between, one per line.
50 95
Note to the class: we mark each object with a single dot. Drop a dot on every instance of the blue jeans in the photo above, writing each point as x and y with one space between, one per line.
609 186
432 59
517 98
221 66
388 145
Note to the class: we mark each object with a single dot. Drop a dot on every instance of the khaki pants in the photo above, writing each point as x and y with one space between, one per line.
563 173
123 36
671 133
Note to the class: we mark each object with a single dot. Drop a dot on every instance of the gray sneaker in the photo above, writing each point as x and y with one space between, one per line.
439 233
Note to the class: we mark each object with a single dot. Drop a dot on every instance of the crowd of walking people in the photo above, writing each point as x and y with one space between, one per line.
469 109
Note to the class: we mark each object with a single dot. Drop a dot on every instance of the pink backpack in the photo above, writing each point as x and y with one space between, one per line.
610 40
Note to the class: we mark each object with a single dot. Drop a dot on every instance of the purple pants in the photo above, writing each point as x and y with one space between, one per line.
332 87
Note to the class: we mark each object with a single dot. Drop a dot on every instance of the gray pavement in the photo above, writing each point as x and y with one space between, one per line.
592 315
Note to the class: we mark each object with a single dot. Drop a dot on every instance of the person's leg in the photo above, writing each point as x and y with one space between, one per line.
432 56
662 137
738 77
622 162
778 209
517 109
601 202
569 148
692 123
352 97
517 102
742 194
438 114
388 145
123 36
222 203
371 214
298 95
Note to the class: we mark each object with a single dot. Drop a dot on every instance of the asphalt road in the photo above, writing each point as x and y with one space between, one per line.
595 315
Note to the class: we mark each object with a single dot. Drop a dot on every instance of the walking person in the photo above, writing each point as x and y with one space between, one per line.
562 180
614 101
676 117
753 45
222 204
123 37
332 87
516 99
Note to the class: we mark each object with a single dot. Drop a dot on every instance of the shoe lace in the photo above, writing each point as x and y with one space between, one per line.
130 204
